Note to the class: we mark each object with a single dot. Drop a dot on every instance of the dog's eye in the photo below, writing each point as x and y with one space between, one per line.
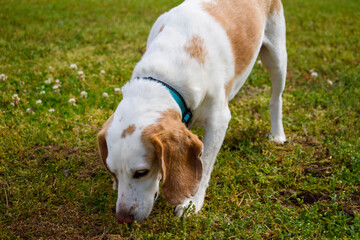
140 173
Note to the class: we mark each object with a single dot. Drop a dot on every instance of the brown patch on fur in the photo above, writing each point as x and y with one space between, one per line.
128 131
103 145
161 28
272 6
178 152
243 22
195 47
228 87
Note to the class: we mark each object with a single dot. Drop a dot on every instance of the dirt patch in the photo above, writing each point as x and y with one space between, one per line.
56 152
64 222
244 137
53 152
305 197
310 198
351 206
317 171
321 159
306 141
88 173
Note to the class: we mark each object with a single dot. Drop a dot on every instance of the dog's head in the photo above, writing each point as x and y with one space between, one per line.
139 156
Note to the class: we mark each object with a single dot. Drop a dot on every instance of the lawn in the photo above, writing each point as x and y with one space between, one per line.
52 184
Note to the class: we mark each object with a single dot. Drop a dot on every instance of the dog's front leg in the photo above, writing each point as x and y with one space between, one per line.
215 130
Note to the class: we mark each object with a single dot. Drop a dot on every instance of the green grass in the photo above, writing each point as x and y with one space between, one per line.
52 184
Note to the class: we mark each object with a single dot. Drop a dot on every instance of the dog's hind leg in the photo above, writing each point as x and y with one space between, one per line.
274 57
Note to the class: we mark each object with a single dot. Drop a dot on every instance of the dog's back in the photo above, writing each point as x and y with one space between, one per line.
213 44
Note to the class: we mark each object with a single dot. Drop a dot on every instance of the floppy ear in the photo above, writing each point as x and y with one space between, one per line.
103 150
179 154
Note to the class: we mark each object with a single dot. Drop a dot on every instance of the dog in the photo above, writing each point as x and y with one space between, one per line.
198 56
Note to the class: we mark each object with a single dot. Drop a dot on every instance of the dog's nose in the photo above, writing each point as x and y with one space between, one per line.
123 217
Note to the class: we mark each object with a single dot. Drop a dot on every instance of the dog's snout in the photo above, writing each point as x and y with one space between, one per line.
124 217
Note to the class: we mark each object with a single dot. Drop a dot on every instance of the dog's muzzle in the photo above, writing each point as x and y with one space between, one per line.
124 217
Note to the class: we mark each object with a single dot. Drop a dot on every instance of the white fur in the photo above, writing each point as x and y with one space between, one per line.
203 90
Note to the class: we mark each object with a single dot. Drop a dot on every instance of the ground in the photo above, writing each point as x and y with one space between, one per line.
52 184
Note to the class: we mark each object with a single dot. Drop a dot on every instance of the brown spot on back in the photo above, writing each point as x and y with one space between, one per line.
128 131
195 47
243 21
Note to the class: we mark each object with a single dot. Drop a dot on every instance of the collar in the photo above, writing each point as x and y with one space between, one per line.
186 114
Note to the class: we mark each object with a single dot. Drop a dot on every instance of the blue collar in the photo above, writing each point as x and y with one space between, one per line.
185 111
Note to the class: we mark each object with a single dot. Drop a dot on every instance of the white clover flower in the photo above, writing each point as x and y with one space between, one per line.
3 77
72 101
48 81
117 90
259 62
105 95
56 88
42 92
16 99
12 104
81 74
51 110
73 66
29 110
330 82
51 68
83 94
38 102
314 74
102 72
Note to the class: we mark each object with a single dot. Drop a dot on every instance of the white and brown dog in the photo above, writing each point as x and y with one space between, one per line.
198 56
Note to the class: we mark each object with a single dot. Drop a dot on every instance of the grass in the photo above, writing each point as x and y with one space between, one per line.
52 184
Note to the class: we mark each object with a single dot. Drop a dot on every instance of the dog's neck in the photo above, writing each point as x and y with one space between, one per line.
185 111
145 101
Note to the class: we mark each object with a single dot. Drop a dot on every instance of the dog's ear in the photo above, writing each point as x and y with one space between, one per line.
103 150
179 154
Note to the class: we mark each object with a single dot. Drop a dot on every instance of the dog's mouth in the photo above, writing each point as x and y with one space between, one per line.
155 197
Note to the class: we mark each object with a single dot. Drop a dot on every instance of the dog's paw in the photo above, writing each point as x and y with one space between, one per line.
280 139
190 205
184 209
